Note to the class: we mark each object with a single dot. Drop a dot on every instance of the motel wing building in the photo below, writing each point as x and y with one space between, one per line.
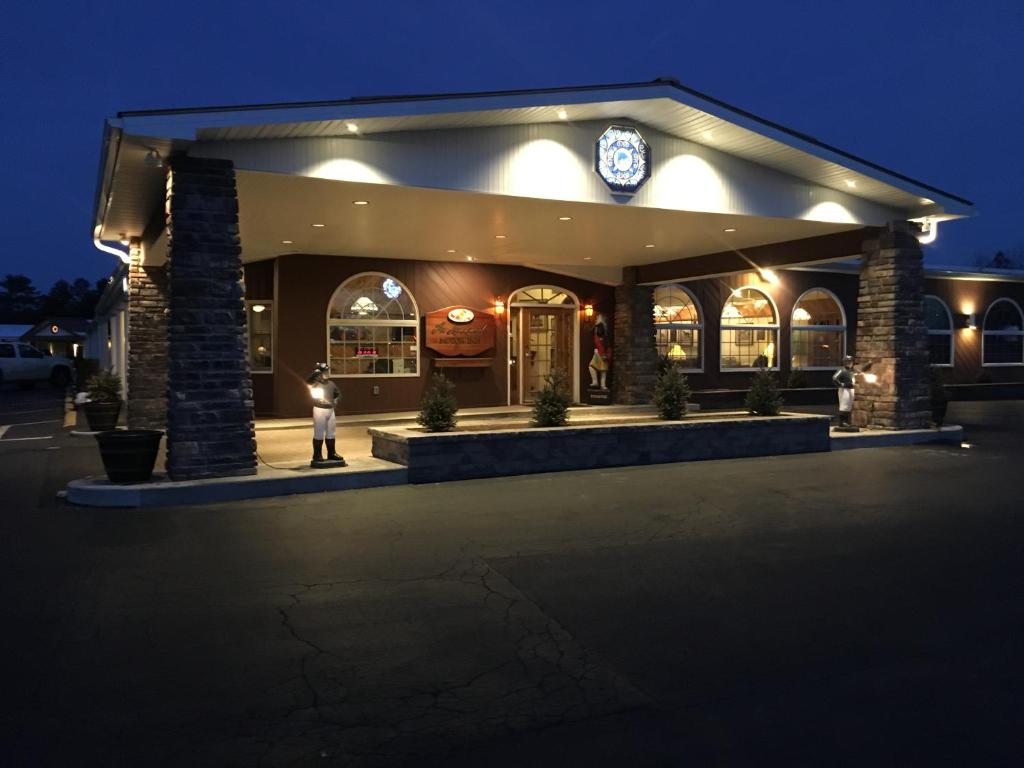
497 237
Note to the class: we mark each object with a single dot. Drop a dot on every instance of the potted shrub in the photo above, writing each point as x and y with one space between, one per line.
551 409
938 396
438 407
104 401
671 392
763 398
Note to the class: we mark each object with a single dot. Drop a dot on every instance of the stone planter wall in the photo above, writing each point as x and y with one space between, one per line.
462 455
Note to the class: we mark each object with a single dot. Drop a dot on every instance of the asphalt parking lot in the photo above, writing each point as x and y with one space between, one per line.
856 608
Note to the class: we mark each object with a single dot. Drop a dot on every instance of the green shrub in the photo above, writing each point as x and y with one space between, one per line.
551 409
671 392
103 387
438 406
763 398
797 380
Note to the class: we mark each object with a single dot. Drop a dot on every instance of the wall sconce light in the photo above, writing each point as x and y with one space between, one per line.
499 306
588 310
972 321
967 320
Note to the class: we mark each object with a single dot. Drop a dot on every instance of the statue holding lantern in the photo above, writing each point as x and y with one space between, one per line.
845 379
599 363
325 394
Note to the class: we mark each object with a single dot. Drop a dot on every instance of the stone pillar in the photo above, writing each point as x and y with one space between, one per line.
891 332
210 430
147 343
634 358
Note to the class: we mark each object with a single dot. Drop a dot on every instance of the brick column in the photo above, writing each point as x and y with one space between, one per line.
147 343
891 332
210 429
634 358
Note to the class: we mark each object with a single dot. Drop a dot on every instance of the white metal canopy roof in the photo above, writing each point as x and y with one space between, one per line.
662 104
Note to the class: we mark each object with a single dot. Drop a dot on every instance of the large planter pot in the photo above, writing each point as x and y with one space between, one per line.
102 414
939 412
129 454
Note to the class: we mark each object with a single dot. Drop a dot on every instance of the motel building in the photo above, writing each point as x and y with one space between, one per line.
497 236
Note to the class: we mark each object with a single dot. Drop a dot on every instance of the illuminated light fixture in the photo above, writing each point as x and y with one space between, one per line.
261 349
565 218
317 392
926 201
319 226
364 305
588 310
729 229
676 353
801 314
499 306
450 250
929 232
500 237
360 202
257 308
769 276
153 159
562 114
851 183
286 242
124 284
972 321
966 445
352 127
708 135
870 378
110 344
123 239
587 258
737 291
469 258
649 245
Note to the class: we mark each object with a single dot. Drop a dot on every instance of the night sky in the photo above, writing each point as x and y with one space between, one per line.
929 88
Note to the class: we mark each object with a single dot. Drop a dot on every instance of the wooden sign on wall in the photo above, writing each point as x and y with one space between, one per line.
459 331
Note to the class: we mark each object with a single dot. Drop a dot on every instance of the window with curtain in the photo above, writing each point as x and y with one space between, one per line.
940 331
750 331
1003 334
373 328
678 326
818 333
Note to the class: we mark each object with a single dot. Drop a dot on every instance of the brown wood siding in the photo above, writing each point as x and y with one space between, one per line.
307 282
259 280
959 296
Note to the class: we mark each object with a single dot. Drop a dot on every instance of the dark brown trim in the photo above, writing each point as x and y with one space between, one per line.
786 254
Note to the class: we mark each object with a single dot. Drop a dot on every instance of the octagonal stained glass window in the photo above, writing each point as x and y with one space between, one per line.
623 158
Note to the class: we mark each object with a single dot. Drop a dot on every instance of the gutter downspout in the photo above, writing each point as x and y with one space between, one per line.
108 162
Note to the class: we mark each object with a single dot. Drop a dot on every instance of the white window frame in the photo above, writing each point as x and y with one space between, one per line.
722 326
794 329
269 304
575 306
415 324
952 345
985 333
698 326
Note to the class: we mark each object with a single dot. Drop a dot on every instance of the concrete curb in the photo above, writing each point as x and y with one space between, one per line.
869 438
361 473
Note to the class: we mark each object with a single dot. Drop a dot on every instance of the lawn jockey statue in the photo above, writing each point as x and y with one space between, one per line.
845 378
325 394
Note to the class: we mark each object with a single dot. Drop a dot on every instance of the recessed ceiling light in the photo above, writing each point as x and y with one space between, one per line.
587 258
352 127
286 242
360 202
319 226
469 258
450 250
729 229
500 237
926 201
851 183
649 245
708 135
565 218
563 115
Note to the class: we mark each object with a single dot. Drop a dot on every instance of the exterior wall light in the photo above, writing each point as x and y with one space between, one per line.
258 308
769 276
972 321
499 306
588 310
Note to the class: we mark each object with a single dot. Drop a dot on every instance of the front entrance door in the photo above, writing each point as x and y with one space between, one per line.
545 344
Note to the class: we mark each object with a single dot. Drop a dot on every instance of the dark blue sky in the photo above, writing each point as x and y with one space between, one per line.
930 88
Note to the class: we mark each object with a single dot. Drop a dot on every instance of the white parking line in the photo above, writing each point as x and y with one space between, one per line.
3 429
28 423
20 439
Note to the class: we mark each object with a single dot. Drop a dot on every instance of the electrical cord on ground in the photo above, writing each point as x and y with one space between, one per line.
274 466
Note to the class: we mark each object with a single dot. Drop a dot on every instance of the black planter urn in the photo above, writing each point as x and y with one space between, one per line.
102 414
939 412
129 455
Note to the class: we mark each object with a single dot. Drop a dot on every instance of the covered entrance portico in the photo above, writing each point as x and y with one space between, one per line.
474 202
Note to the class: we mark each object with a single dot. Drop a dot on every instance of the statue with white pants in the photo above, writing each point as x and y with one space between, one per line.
325 394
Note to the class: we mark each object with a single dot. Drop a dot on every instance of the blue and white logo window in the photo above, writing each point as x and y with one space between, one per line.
623 159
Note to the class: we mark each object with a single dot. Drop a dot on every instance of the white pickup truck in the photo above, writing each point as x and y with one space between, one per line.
25 365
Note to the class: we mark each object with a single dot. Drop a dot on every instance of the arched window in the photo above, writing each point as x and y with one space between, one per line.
1002 341
750 331
818 337
372 328
940 331
678 325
